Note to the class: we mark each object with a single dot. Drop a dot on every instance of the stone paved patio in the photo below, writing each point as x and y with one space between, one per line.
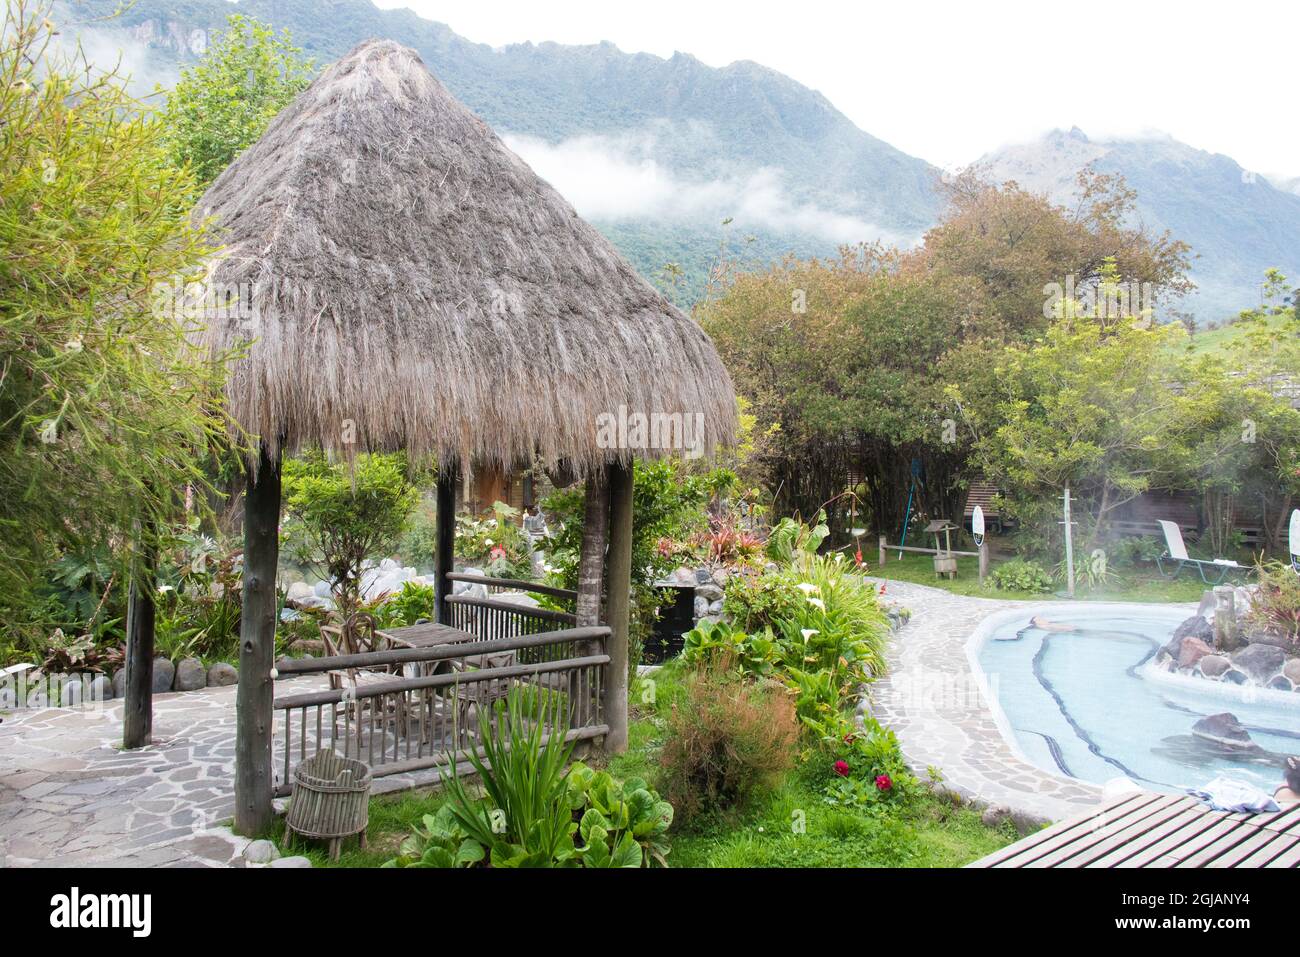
70 797
934 703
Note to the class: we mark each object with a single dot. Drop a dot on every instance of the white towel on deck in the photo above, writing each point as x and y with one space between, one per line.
1227 794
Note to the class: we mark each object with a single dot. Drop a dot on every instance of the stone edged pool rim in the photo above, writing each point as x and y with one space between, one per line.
1142 614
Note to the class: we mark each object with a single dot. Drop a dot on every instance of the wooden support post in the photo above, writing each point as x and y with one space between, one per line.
137 714
618 611
882 551
254 720
591 569
444 552
591 561
984 560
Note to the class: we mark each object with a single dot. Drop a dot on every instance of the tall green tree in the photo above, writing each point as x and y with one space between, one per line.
104 405
351 512
224 103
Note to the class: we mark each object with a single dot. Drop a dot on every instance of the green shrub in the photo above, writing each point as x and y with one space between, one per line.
839 627
619 824
859 766
1129 552
753 603
711 642
533 808
726 741
1020 575
414 602
524 819
1276 605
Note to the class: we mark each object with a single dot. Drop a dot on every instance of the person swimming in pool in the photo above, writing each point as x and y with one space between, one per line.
1289 793
1038 621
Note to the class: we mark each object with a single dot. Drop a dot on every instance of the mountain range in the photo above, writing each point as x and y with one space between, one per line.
677 161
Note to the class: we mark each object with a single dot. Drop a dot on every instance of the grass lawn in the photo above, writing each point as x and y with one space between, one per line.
791 827
1143 585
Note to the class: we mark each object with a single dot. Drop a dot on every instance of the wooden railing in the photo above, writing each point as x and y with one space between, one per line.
513 584
427 716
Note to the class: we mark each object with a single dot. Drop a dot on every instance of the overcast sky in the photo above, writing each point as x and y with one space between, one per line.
948 81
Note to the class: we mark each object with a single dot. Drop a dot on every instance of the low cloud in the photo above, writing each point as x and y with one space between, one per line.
615 178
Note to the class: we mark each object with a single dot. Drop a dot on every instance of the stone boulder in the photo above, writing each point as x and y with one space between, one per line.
1224 729
222 675
164 674
1194 627
709 592
261 852
299 592
1213 666
119 683
1292 670
1281 683
190 675
1192 650
101 688
1260 662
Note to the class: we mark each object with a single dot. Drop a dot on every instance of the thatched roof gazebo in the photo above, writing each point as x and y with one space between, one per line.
407 282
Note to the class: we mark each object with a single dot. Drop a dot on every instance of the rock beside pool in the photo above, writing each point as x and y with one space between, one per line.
1224 729
1292 670
1194 627
1260 662
1213 666
1191 650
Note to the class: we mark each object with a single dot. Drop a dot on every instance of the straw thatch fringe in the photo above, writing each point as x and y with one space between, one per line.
408 282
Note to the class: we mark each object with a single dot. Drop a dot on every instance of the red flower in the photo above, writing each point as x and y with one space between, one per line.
883 783
848 738
882 588
842 768
498 552
858 556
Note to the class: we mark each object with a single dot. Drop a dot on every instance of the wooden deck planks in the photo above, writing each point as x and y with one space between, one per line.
1109 832
1035 845
1159 830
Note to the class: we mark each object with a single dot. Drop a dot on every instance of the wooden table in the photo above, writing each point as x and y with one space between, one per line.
427 635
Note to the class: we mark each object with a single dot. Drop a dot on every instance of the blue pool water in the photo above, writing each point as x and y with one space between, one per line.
1081 703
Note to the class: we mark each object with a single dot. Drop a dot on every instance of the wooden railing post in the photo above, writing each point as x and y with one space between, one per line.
984 560
254 716
444 550
618 605
137 714
882 551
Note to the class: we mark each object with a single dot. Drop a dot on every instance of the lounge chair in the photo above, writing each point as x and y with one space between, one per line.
1176 555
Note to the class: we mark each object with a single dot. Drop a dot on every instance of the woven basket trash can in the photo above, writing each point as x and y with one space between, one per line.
330 800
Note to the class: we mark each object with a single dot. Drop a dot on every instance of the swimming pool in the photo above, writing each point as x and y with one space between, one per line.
1087 704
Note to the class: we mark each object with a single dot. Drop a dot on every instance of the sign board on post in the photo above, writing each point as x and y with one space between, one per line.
977 525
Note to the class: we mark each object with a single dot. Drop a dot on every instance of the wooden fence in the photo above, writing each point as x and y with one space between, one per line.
426 715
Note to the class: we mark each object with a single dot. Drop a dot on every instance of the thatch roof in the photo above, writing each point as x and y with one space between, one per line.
409 282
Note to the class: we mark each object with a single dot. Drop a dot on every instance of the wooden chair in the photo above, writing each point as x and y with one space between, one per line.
479 695
356 636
